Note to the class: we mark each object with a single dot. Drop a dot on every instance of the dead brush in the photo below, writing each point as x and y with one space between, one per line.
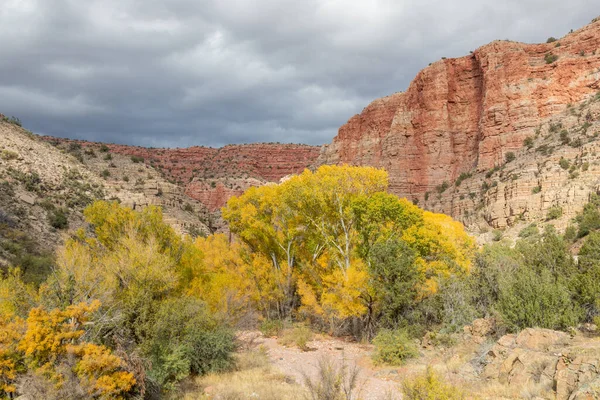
333 381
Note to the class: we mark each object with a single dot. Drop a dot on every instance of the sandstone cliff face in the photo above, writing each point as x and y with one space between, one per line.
465 114
213 175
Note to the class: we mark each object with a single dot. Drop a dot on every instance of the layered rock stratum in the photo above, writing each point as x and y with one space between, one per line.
464 115
213 175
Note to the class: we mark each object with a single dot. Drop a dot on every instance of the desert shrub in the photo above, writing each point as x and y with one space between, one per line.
536 189
108 157
183 339
125 178
104 148
528 142
442 187
105 173
462 177
564 163
8 155
589 218
298 336
393 347
491 264
396 278
12 120
564 137
188 207
550 58
551 39
529 298
456 303
58 219
530 230
271 327
137 159
430 386
554 212
509 157
333 381
497 235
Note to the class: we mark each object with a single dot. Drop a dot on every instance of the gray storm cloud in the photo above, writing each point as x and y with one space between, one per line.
187 72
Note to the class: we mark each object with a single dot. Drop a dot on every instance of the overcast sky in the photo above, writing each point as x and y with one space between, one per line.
177 73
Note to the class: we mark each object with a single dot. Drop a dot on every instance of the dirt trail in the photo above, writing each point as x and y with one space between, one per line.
374 383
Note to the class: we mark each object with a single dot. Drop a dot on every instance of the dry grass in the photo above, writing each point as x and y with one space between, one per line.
253 379
298 336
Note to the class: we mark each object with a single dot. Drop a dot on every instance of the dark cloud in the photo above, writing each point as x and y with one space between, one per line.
212 72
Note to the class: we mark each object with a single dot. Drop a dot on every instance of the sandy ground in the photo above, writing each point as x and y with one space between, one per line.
373 383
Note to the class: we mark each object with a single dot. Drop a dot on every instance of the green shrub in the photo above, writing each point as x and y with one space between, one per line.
104 148
108 157
509 157
529 298
8 155
105 173
183 339
589 218
430 386
393 347
462 177
528 231
550 58
497 235
271 327
528 142
395 278
12 120
536 189
442 188
564 163
298 336
137 159
58 219
551 39
554 212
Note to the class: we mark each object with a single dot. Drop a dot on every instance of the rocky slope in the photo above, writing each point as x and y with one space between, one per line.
213 175
464 115
43 190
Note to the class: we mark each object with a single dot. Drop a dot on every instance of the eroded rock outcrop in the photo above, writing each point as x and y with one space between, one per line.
213 175
465 114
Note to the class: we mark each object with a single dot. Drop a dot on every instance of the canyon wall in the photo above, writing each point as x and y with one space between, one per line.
213 175
465 114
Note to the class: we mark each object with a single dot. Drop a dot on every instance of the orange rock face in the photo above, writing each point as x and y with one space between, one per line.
213 175
465 114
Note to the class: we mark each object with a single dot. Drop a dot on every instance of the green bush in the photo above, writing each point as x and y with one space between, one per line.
395 278
564 163
536 189
528 142
462 177
104 148
183 339
58 219
528 231
550 58
8 155
589 218
509 157
551 39
393 347
271 327
536 299
554 212
298 336
108 157
137 159
105 173
430 386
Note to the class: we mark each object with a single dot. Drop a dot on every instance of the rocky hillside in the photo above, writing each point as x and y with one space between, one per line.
213 175
43 190
464 116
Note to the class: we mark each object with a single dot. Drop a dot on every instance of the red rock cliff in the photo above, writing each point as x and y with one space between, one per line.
466 113
213 175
